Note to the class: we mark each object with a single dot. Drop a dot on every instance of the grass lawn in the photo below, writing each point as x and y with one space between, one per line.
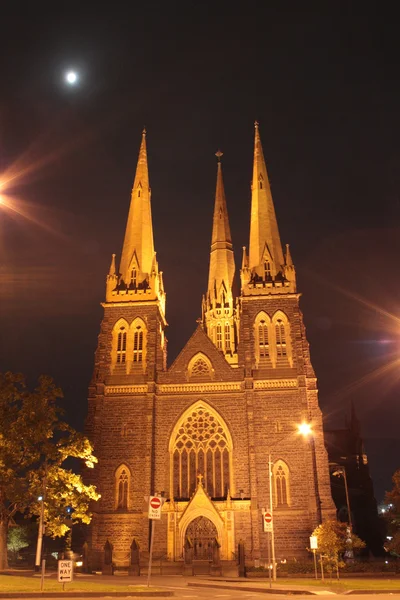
345 584
15 583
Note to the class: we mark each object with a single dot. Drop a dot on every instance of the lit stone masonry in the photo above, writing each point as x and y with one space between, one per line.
201 430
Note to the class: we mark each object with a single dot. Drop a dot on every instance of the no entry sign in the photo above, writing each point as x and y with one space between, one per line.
155 505
267 520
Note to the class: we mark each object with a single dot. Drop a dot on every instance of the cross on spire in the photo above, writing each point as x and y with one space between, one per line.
199 479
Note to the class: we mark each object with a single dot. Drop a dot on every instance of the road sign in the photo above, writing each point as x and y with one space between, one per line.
65 571
155 504
267 520
313 542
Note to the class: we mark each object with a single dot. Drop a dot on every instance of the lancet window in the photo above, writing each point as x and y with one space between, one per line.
122 480
227 337
281 478
267 269
280 337
219 337
202 445
262 336
121 345
138 344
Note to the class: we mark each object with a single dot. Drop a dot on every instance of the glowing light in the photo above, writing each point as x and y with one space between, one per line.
71 77
40 498
304 429
79 563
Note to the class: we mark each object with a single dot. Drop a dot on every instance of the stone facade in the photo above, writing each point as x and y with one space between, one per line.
201 431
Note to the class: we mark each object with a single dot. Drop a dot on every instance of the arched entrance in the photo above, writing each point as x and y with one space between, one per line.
201 533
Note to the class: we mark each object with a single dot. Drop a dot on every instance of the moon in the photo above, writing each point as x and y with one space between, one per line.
71 77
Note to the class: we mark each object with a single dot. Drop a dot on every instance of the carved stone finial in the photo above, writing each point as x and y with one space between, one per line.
219 154
256 123
199 479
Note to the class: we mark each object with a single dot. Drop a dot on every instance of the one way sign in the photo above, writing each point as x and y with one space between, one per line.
65 571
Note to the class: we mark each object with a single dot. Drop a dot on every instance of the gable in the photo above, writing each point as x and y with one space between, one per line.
200 360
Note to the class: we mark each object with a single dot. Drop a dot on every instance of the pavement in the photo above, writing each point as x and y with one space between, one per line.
187 587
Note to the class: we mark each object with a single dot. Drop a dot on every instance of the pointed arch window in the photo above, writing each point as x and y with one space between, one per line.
281 478
138 344
122 484
227 337
121 345
219 336
200 444
263 339
280 335
262 336
267 269
282 348
200 368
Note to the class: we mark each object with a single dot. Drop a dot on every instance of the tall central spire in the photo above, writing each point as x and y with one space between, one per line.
264 232
218 307
222 264
138 248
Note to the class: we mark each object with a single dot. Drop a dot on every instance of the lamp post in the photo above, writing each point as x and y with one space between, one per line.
339 471
41 530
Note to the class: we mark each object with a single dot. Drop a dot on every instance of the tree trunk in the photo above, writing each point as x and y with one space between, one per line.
3 545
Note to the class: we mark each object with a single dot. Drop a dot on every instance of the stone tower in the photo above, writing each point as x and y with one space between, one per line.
201 431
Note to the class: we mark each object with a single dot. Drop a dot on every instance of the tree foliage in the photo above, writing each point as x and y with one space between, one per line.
334 538
393 515
34 445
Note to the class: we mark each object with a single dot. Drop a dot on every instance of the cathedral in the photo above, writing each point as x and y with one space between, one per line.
201 431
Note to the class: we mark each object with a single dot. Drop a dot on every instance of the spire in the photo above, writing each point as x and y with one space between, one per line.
264 233
138 248
217 307
222 266
288 257
111 272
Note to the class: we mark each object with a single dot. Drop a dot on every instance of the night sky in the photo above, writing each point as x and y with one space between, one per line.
323 81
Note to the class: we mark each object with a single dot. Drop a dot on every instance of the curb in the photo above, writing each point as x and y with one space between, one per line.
350 592
254 589
49 594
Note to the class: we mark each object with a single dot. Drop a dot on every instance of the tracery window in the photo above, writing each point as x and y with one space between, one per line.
200 367
121 345
200 444
138 344
281 478
122 479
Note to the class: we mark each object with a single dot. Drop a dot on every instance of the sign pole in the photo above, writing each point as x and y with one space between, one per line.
315 564
152 524
272 522
269 558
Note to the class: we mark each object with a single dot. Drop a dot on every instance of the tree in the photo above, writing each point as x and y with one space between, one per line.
393 515
334 538
19 537
35 443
